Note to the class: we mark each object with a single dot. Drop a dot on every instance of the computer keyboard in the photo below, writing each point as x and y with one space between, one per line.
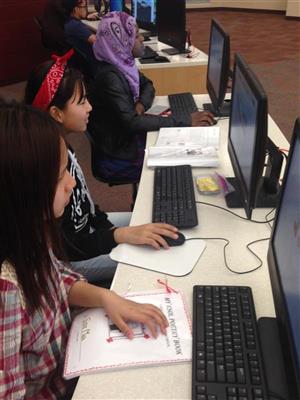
182 103
227 363
174 196
149 53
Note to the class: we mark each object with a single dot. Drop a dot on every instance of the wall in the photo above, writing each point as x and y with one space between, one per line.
293 8
252 4
20 44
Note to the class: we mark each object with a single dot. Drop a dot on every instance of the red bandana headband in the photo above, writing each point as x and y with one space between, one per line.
51 83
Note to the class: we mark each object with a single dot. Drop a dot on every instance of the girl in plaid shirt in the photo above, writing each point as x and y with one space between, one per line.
36 290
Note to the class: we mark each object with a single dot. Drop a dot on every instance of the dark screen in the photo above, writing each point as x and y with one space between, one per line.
215 59
243 126
171 23
286 245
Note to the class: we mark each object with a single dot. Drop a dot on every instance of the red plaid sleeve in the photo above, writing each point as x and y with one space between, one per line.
11 322
69 277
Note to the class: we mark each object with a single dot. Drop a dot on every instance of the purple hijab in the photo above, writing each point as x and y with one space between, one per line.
115 39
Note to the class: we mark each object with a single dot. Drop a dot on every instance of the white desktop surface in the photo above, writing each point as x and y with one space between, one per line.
174 381
178 60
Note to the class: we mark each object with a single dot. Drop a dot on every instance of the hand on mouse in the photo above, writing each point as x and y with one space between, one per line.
203 118
150 234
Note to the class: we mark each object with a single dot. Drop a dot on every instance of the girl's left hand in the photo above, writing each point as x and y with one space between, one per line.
121 311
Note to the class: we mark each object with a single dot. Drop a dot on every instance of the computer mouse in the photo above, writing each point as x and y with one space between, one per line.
161 59
175 242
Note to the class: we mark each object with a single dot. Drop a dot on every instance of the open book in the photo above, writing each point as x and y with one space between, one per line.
196 146
95 343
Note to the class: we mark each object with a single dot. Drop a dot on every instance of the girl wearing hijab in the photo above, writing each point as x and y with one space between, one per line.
120 95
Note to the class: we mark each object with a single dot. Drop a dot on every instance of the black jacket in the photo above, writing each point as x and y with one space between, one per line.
114 122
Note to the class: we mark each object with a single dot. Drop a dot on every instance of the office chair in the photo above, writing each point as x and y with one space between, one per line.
111 182
49 42
80 61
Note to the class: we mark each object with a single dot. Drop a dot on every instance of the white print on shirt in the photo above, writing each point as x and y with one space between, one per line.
79 195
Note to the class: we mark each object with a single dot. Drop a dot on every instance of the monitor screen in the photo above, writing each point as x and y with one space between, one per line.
247 136
171 25
284 266
218 70
144 12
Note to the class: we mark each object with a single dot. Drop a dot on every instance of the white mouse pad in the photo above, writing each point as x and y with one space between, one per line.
176 261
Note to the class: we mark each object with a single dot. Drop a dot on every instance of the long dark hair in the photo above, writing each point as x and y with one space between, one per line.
30 147
72 78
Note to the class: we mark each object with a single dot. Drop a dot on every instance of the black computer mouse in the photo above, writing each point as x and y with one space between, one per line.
161 59
175 242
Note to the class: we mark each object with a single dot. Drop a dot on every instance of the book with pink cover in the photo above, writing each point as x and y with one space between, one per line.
96 345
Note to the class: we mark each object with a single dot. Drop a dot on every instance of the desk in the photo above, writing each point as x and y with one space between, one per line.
181 74
174 381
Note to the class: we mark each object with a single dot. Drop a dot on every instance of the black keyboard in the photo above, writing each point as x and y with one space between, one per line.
149 53
182 104
227 363
174 196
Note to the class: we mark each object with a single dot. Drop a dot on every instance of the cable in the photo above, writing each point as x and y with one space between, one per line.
236 215
224 254
269 220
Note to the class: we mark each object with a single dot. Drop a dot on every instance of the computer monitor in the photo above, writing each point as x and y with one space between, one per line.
144 11
248 143
284 266
218 71
171 25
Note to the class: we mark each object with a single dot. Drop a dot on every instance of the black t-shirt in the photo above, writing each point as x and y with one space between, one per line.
87 232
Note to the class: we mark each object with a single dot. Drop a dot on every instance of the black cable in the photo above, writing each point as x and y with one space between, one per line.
268 220
236 215
224 253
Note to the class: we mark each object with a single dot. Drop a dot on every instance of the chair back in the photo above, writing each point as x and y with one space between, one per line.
97 173
48 40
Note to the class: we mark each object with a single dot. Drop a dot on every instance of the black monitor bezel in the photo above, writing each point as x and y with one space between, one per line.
249 196
178 42
218 98
149 26
291 366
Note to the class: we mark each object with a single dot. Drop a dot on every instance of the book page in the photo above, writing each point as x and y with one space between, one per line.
193 155
95 343
189 136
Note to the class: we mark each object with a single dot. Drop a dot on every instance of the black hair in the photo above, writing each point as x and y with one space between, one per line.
30 153
68 6
72 78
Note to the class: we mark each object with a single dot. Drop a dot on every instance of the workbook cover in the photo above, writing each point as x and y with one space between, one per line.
95 343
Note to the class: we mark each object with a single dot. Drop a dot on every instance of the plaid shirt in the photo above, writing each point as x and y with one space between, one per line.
32 347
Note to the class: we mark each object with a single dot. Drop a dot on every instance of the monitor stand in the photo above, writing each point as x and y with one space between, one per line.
172 51
224 111
263 200
273 359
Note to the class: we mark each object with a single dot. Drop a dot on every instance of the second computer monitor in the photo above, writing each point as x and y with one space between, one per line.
248 142
218 70
171 25
144 12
